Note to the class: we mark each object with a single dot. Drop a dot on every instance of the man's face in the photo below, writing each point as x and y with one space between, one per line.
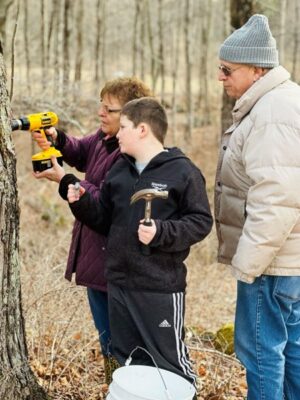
109 113
128 136
236 78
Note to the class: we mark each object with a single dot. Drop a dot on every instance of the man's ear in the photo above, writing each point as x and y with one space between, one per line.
258 73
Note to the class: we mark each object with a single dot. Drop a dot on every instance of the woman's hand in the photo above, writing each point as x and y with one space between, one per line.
54 174
42 142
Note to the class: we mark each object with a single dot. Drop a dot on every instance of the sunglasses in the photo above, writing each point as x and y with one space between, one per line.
226 70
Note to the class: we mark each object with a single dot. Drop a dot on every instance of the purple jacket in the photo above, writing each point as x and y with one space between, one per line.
94 156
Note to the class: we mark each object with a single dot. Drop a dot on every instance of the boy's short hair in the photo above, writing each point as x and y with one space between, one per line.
150 111
125 89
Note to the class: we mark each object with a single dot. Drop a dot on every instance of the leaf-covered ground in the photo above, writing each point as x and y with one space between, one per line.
62 341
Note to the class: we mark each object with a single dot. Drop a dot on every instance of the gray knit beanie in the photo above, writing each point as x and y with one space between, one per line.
253 44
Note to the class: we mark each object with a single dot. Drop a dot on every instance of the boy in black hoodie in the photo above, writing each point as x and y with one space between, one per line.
146 293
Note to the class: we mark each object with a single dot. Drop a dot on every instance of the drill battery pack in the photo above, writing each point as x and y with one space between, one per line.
42 161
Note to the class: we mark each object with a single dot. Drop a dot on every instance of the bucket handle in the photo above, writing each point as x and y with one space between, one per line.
129 359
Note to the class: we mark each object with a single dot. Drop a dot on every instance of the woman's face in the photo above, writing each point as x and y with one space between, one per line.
109 113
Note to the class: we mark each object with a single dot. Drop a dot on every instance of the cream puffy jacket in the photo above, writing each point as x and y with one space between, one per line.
257 203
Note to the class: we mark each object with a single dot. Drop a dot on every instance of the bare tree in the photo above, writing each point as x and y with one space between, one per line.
43 45
13 52
296 42
79 44
161 54
153 57
206 24
103 47
240 12
66 41
188 71
143 39
98 39
176 34
56 46
4 6
135 45
282 30
17 381
27 47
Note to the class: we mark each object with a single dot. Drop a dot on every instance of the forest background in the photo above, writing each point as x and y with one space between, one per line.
58 55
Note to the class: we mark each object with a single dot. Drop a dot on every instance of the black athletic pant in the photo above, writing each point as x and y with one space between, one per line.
154 321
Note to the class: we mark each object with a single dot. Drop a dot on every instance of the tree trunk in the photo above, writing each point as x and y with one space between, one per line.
43 47
282 31
161 50
66 41
17 381
153 62
98 39
206 23
240 12
27 47
176 34
135 44
103 48
79 48
56 48
4 6
188 71
143 39
296 42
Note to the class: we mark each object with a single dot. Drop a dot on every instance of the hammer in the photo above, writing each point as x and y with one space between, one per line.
148 195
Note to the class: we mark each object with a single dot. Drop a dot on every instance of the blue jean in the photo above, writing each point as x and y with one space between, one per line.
99 308
267 336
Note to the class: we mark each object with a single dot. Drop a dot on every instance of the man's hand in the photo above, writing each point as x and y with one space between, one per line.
146 233
42 142
75 192
54 174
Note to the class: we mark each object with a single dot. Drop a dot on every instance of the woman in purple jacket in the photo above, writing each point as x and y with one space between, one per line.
94 155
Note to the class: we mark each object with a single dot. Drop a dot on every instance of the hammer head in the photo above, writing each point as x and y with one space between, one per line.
149 194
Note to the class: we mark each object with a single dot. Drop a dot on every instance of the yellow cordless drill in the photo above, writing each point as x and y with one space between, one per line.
39 122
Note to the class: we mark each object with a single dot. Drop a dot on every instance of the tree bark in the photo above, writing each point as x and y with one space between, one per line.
282 31
188 71
17 381
161 50
66 41
206 24
79 46
27 47
135 44
153 57
4 6
43 46
98 39
296 42
240 12
176 34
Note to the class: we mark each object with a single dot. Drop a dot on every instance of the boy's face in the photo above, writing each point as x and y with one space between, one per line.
128 136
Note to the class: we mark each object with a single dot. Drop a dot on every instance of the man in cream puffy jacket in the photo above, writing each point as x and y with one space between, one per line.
257 207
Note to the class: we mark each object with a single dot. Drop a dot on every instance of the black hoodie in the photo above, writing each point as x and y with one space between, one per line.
182 219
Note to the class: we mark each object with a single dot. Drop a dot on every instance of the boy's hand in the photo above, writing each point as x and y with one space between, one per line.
75 192
54 174
42 142
146 233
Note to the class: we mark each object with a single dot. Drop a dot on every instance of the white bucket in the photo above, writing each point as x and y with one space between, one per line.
139 382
